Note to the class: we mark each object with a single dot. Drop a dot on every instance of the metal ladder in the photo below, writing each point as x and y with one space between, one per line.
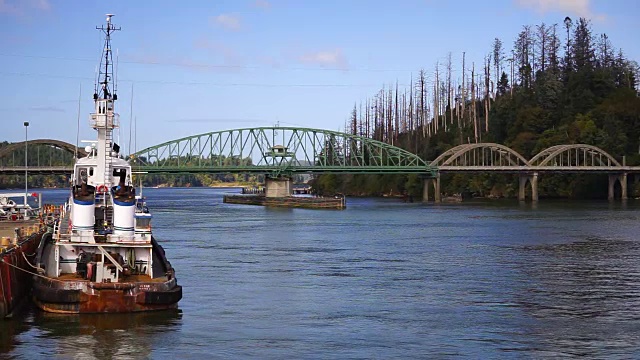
108 209
107 152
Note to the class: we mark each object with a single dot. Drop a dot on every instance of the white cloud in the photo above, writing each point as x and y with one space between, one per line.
47 108
325 58
43 5
228 21
8 8
581 8
229 55
264 4
230 61
269 61
21 8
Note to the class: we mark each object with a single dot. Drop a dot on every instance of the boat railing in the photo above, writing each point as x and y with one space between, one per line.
111 120
113 261
57 225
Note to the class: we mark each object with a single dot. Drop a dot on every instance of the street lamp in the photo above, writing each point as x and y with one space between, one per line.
26 137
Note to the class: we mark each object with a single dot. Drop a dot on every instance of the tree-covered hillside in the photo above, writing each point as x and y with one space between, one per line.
557 85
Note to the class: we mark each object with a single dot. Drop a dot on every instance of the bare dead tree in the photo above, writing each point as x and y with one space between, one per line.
411 111
487 106
542 41
353 126
512 61
360 121
448 105
403 122
422 93
390 113
464 95
522 52
381 116
397 115
473 101
552 50
498 57
438 103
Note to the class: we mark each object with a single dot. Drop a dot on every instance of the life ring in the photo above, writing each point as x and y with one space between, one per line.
102 189
11 203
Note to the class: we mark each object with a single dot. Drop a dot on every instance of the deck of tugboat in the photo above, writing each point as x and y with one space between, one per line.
138 279
102 241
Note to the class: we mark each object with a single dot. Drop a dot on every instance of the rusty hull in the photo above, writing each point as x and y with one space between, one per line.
79 297
15 283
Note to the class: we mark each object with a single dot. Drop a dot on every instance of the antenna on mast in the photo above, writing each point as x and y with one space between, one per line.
106 63
115 78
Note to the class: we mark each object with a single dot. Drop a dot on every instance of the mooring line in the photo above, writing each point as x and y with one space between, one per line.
30 272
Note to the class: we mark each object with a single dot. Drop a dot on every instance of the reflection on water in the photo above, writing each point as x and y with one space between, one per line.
101 336
382 279
583 297
10 329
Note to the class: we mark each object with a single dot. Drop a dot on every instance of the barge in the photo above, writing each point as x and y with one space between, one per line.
307 202
21 230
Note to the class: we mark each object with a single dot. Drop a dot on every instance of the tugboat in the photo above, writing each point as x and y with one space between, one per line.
101 256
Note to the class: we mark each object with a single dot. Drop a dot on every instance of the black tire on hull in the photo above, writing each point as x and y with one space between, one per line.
164 297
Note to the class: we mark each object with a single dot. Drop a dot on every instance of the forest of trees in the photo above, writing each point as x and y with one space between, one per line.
558 84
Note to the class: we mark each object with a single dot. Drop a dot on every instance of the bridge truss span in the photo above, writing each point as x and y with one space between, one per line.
489 155
8 149
499 158
278 150
40 158
574 155
571 158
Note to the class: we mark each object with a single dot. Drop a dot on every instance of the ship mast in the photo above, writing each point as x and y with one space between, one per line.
105 119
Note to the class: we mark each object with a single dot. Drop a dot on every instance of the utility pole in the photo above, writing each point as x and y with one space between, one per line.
26 173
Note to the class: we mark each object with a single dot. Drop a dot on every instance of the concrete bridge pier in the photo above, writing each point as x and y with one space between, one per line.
280 186
533 180
622 178
426 184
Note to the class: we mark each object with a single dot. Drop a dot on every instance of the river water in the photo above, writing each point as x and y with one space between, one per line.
381 279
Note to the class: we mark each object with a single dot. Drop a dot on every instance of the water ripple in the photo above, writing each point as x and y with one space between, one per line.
381 279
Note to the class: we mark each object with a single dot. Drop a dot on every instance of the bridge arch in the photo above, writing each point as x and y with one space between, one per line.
277 150
8 149
574 155
480 154
445 155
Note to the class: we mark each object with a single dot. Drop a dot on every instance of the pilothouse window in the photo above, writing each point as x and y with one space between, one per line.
143 223
82 174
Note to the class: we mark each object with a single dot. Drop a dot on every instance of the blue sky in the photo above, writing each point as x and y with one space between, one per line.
200 66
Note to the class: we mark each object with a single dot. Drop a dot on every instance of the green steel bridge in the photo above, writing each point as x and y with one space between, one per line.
279 151
285 151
